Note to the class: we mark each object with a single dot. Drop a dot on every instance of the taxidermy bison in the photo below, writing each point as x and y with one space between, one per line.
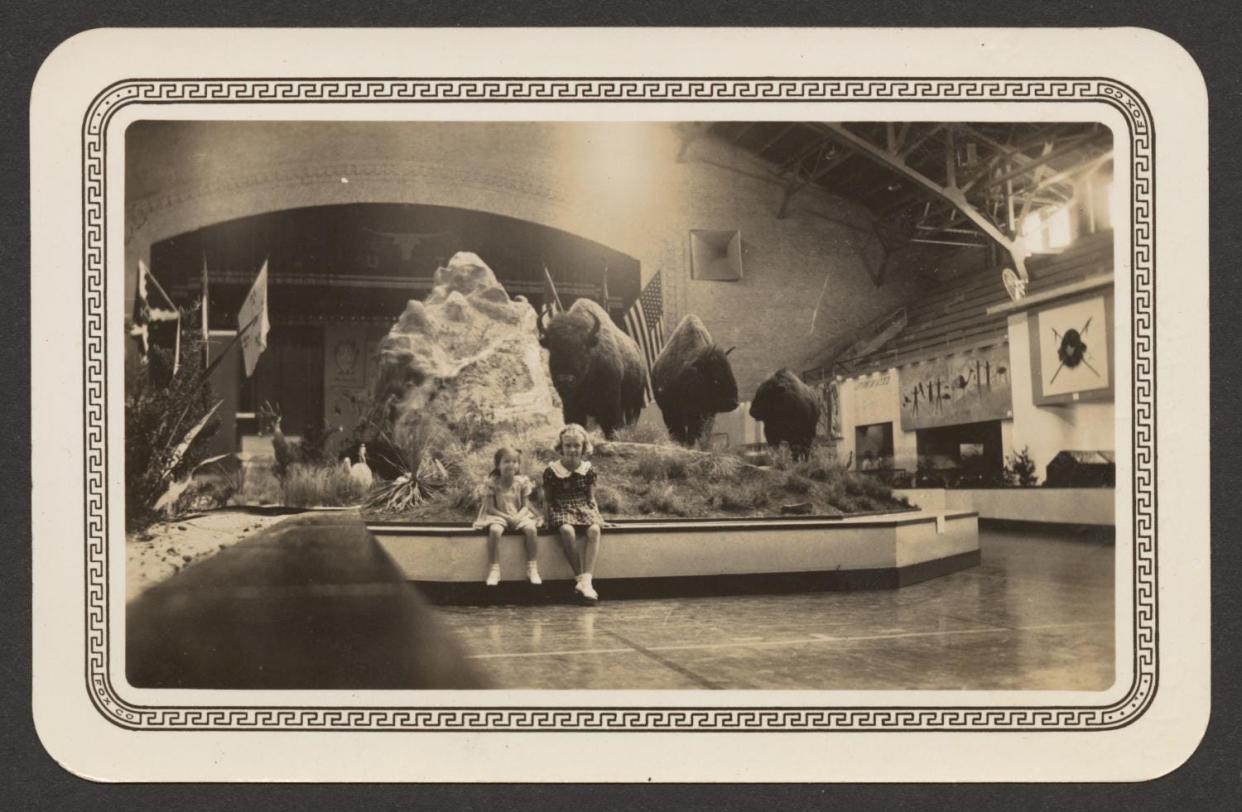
596 368
789 412
693 382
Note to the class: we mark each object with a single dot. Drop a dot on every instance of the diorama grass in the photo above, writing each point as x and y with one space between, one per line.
643 474
321 486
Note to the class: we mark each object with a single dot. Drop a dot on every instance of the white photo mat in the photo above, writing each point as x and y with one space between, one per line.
94 723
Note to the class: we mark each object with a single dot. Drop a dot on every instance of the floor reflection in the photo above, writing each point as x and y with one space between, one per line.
1037 614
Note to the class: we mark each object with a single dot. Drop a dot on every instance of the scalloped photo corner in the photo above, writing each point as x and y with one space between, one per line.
740 414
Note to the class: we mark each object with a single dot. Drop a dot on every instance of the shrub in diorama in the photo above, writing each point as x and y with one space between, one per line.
1020 468
431 461
169 417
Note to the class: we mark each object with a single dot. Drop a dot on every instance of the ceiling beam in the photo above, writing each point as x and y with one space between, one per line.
1056 152
781 133
950 194
741 131
799 183
918 142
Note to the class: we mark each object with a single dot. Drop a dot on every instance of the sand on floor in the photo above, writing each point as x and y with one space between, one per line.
162 550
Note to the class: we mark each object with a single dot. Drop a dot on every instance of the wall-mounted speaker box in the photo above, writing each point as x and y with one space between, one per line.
716 255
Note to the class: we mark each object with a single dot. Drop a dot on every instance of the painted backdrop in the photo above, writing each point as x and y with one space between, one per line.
966 387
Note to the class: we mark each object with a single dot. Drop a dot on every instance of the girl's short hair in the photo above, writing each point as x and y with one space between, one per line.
580 433
500 455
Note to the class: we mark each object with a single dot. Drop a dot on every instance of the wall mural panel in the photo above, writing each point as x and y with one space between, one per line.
351 352
829 394
967 387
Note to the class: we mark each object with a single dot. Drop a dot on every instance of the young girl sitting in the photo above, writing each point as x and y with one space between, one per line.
569 492
505 506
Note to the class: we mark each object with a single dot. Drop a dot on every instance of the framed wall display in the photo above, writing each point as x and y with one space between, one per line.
1072 350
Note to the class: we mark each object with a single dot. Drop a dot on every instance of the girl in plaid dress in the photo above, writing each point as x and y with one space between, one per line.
569 493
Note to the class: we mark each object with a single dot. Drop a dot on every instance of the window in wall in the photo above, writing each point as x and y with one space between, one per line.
1048 230
1104 218
1033 232
873 447
1058 228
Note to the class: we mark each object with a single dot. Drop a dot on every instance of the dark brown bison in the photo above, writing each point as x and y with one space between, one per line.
788 410
596 368
693 382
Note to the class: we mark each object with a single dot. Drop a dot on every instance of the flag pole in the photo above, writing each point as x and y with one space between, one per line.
548 278
203 316
168 300
207 370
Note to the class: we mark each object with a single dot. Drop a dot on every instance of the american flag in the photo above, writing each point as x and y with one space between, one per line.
146 311
644 322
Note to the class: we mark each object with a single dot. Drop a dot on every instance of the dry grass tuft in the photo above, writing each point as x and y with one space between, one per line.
321 486
644 434
665 501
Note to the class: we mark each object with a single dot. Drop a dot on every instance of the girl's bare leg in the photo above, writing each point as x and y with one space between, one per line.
590 549
493 554
493 544
566 534
532 548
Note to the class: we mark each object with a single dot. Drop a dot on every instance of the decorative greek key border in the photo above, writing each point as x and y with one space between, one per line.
672 90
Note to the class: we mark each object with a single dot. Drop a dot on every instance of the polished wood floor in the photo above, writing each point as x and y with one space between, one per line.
1036 615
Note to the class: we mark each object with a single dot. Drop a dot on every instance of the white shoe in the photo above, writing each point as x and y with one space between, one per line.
585 588
493 575
532 573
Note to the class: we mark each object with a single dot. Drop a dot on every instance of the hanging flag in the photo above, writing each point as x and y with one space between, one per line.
203 317
147 311
551 299
644 322
253 313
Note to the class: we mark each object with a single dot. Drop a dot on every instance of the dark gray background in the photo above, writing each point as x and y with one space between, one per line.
1212 779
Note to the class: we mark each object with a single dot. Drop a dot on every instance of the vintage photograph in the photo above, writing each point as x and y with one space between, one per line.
655 405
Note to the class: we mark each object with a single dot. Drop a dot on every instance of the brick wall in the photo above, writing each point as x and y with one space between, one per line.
619 184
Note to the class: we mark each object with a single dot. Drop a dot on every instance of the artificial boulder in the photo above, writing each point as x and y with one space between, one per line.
469 356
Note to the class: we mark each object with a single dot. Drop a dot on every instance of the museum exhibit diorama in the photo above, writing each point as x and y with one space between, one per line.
549 368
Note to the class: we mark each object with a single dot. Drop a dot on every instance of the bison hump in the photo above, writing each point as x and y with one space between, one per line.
681 347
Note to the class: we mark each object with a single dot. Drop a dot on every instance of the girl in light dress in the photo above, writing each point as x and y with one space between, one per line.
569 493
505 506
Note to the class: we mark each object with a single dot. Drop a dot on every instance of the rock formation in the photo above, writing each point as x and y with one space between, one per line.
470 356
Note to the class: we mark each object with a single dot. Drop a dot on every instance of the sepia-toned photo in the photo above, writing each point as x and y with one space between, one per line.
446 411
590 405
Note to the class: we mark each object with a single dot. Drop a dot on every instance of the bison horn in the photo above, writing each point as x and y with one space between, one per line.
593 336
543 330
731 349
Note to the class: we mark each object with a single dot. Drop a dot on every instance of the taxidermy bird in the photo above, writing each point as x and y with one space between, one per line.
360 472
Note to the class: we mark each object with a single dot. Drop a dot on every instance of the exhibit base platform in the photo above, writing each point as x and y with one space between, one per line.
679 558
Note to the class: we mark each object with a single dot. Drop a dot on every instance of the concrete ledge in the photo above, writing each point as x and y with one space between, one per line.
662 559
1088 506
309 604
